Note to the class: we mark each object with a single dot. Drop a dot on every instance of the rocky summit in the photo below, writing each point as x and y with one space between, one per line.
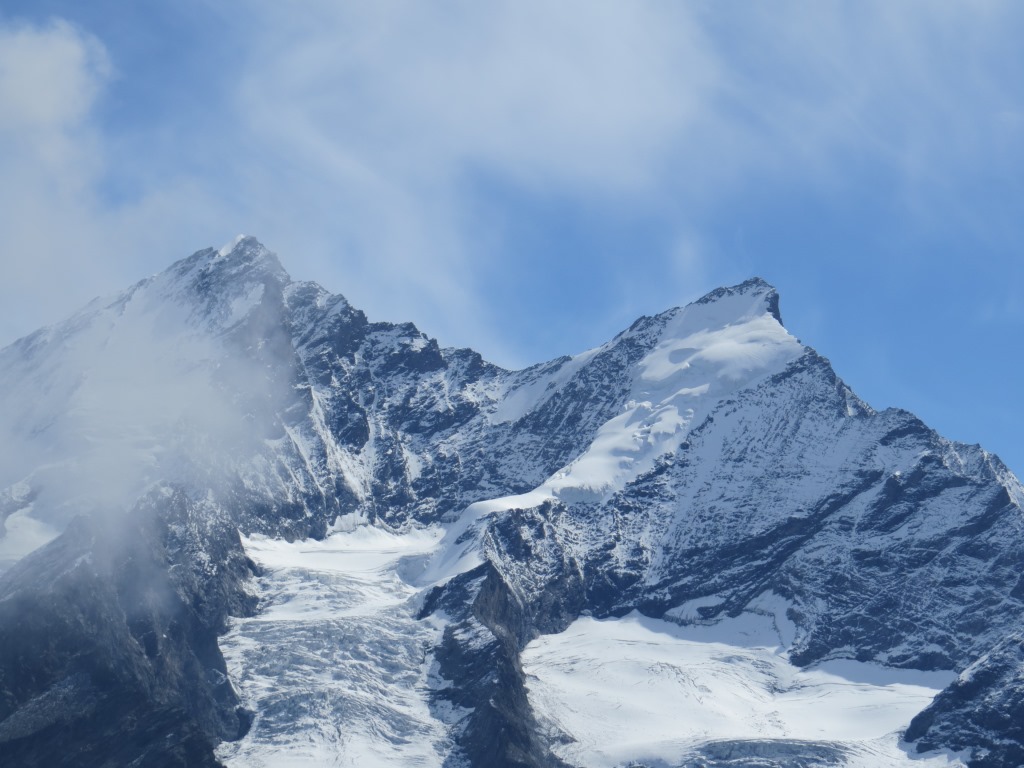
246 526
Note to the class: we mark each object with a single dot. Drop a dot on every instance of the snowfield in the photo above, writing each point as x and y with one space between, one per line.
339 673
639 689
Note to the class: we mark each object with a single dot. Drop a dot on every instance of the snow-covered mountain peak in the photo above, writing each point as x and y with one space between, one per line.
229 246
221 288
684 364
250 257
128 390
244 260
755 294
704 352
728 337
245 251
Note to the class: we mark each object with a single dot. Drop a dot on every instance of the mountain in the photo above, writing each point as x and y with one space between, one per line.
278 531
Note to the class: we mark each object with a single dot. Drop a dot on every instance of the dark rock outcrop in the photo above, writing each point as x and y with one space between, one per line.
109 638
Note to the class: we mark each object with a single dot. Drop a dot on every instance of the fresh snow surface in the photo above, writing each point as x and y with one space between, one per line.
704 354
335 665
535 390
641 689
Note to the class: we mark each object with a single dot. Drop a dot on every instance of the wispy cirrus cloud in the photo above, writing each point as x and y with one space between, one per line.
396 123
399 115
63 238
50 78
409 155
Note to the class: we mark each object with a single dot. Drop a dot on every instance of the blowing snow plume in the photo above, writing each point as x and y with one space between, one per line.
170 381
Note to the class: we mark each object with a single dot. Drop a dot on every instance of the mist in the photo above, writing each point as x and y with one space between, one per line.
148 387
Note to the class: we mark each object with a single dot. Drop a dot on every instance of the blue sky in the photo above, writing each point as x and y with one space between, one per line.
527 178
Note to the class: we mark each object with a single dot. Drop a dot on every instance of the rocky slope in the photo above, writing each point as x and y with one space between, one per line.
698 464
109 638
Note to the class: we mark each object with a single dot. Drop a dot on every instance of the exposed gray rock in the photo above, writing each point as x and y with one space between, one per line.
109 638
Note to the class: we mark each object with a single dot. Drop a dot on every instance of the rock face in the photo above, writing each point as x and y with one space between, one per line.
982 711
109 638
697 461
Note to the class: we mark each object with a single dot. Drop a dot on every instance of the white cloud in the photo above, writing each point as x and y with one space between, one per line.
359 139
49 80
578 94
916 86
389 120
392 119
49 77
62 240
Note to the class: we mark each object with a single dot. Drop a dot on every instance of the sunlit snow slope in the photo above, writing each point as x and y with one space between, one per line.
637 689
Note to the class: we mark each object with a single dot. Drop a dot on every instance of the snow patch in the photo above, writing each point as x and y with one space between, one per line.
537 387
461 549
347 523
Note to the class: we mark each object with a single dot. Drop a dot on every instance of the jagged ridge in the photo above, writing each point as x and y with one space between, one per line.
702 456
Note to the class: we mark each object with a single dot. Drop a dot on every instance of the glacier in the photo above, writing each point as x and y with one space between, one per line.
336 666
